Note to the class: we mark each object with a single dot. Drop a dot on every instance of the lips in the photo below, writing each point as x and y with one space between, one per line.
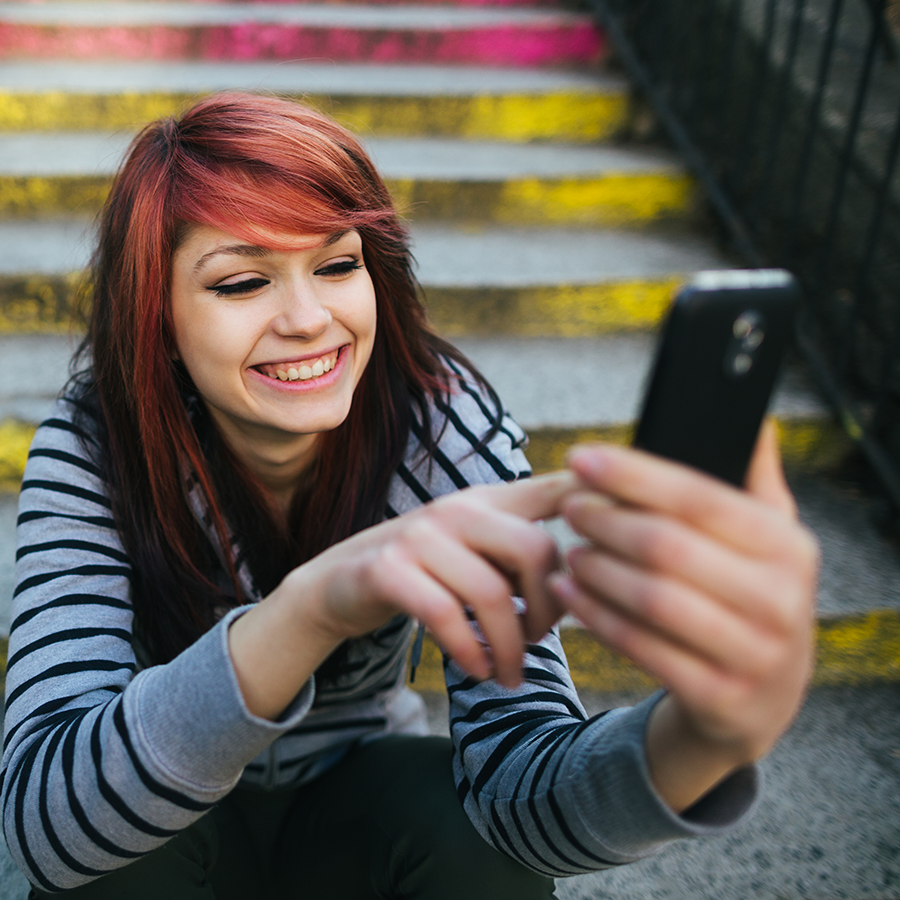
300 370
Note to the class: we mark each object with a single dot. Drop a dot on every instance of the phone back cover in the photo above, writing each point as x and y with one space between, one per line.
715 428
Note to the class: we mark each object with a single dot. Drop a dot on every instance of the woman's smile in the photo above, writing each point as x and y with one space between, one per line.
308 369
275 340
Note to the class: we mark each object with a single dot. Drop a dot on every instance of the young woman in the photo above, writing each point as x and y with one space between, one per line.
269 470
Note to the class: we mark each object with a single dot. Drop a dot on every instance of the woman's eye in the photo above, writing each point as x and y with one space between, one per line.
342 267
239 287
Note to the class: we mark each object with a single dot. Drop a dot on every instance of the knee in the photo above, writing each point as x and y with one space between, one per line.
179 868
439 846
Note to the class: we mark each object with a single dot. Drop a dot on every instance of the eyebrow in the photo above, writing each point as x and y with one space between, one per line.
253 251
248 250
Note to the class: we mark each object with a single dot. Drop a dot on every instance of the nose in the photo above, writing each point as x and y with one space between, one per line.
301 313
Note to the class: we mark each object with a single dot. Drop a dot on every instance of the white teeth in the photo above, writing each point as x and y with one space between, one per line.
303 372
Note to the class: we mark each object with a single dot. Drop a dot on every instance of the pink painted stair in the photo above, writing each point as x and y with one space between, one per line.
280 31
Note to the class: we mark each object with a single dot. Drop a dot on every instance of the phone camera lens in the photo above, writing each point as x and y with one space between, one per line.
742 363
748 329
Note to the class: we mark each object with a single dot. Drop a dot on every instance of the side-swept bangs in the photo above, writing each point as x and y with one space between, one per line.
254 165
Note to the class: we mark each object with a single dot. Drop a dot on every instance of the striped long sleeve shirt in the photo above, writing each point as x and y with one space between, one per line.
104 760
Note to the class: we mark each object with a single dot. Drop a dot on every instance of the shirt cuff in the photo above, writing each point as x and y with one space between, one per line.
607 779
193 729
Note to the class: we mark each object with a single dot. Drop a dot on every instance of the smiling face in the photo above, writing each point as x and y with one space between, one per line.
275 341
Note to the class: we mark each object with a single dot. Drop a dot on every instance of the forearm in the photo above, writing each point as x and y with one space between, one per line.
277 645
566 795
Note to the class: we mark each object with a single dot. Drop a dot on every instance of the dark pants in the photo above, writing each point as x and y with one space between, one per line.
385 822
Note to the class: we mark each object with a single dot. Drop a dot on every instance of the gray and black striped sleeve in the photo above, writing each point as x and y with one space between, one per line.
562 793
100 765
542 782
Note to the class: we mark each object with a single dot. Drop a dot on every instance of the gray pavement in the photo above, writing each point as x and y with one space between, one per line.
445 159
506 257
45 247
582 382
33 369
295 76
860 568
8 503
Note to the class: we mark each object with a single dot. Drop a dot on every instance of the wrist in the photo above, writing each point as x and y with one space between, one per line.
277 645
686 762
305 591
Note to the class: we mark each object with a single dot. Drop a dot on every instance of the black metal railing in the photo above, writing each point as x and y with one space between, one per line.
788 113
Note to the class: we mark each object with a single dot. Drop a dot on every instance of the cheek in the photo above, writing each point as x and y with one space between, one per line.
208 343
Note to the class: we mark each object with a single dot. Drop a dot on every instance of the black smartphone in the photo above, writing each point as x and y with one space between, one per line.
716 364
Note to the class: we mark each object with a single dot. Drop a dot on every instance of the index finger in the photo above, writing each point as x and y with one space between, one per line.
535 498
728 514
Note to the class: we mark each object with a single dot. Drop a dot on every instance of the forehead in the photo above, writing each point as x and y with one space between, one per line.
202 243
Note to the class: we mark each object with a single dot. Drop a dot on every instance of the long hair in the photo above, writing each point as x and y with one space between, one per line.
249 165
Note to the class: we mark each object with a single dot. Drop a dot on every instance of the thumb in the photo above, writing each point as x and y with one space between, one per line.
765 476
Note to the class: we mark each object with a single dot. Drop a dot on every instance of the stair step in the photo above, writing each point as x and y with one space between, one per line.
283 31
430 179
397 101
553 282
562 390
515 281
569 390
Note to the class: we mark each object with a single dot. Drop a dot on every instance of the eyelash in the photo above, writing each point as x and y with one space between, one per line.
239 287
340 268
251 284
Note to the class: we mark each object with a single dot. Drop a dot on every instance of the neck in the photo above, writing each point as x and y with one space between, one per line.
279 462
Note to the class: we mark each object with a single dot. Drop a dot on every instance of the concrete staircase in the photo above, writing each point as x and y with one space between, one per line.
541 236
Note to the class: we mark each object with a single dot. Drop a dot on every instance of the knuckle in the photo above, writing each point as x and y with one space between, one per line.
697 503
442 615
464 503
418 529
767 658
625 638
782 612
381 569
495 594
538 548
653 599
663 549
789 609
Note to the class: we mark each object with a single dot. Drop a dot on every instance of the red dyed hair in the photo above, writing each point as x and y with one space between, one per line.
249 165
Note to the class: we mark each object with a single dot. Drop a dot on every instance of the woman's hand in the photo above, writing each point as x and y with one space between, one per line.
474 549
709 589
